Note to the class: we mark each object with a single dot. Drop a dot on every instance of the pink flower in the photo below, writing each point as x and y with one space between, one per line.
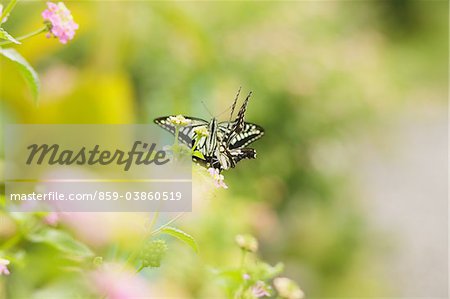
52 219
218 178
113 281
3 267
260 289
61 22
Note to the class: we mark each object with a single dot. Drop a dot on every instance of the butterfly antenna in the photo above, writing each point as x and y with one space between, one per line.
206 108
234 106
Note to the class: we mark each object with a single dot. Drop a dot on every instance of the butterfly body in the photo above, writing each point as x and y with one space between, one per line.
226 142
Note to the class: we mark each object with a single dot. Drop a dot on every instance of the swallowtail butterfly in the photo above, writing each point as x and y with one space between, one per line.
227 141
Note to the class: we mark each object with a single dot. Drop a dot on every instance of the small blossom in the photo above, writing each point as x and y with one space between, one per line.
246 276
201 131
247 242
218 178
3 267
179 120
60 21
287 288
52 219
260 289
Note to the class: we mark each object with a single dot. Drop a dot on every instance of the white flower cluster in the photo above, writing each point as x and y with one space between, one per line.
201 131
179 120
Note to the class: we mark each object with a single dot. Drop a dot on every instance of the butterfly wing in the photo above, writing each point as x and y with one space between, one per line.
243 153
186 134
239 122
229 158
239 133
250 133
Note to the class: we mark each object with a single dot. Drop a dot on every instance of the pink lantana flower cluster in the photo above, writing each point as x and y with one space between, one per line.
4 267
218 178
52 219
60 20
261 289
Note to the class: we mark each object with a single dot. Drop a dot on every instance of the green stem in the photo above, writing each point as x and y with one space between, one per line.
177 130
23 37
140 269
195 144
132 256
243 255
135 252
152 223
167 224
7 10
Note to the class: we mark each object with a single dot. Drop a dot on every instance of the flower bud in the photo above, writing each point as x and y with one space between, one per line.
247 242
152 253
287 288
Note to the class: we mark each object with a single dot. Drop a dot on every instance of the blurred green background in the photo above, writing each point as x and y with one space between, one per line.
324 75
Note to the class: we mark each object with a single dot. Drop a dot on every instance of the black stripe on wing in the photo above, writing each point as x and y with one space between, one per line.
232 158
250 133
242 153
185 134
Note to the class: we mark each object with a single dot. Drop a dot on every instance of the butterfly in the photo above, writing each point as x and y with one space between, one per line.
226 142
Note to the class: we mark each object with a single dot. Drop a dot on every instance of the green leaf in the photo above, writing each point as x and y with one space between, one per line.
198 154
6 36
181 235
25 68
61 241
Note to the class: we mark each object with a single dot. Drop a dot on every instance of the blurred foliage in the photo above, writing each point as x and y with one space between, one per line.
322 73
